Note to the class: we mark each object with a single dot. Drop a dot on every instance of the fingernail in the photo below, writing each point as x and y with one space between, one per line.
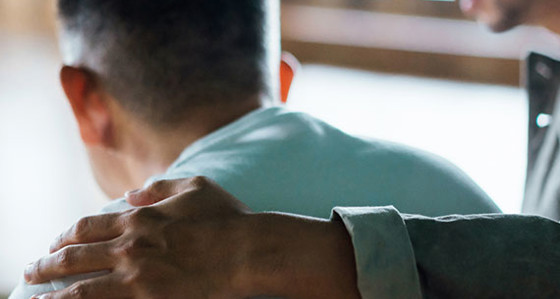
129 193
27 273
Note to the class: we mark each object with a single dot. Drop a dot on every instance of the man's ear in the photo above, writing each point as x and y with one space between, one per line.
288 68
88 104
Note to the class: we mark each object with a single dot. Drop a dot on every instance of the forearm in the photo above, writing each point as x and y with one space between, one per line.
297 257
487 256
208 244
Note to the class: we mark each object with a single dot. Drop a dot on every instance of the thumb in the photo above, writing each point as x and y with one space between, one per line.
161 190
140 198
156 192
150 195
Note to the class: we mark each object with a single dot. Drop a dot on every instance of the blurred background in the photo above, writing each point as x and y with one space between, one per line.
410 71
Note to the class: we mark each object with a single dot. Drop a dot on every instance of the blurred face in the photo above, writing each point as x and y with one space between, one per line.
501 15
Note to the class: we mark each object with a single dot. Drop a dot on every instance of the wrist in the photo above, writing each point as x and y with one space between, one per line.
297 257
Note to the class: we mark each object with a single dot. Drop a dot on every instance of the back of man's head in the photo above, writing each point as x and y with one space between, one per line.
160 59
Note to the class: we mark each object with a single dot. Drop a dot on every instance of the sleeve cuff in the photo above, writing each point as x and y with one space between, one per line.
385 260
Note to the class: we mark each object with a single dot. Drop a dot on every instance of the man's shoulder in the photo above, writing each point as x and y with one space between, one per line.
439 186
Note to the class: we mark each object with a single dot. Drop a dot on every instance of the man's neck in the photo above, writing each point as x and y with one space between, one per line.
151 151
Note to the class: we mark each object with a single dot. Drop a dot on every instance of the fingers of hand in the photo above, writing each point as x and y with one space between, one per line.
108 286
71 260
90 230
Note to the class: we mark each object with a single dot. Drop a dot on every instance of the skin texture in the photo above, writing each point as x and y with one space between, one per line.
503 15
123 150
181 248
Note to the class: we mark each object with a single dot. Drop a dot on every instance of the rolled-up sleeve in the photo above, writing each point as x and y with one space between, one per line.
384 255
480 256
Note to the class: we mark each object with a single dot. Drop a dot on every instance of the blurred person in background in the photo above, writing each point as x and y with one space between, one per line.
395 255
542 192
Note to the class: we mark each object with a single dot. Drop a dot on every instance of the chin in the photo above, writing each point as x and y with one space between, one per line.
503 25
499 28
500 25
500 16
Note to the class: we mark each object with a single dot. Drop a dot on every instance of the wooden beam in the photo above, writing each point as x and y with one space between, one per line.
424 46
464 68
439 9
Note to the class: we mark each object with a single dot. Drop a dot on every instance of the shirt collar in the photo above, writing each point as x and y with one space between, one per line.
248 121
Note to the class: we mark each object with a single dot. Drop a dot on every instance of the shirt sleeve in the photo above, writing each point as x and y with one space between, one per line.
385 259
481 256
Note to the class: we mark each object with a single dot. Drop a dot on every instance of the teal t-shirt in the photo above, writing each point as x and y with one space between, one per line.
278 160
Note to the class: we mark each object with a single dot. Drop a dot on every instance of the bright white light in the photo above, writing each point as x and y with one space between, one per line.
481 128
544 120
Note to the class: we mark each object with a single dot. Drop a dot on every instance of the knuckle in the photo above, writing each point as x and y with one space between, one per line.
125 250
134 246
136 217
81 228
158 187
147 277
34 271
131 278
200 182
136 275
143 243
78 290
65 258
